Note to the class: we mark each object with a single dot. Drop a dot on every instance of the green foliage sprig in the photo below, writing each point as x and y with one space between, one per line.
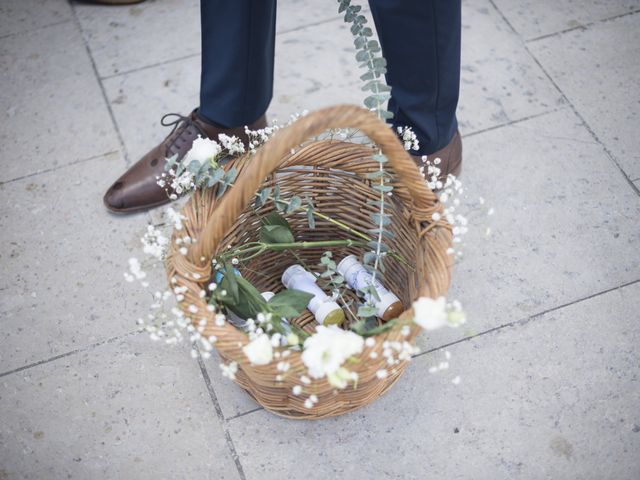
368 54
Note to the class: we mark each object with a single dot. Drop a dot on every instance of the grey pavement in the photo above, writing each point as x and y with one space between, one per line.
549 365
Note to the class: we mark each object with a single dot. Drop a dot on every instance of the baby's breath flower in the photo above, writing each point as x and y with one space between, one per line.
382 373
229 370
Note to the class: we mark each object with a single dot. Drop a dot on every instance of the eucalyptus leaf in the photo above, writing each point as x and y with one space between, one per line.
366 311
222 187
294 204
366 76
310 218
231 175
359 42
382 188
371 102
369 257
362 55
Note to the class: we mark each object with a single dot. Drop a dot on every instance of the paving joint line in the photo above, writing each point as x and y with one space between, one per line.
220 415
152 65
586 125
583 26
575 110
58 167
257 409
513 122
101 85
525 320
69 353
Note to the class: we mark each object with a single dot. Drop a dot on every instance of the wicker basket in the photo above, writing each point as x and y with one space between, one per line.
333 173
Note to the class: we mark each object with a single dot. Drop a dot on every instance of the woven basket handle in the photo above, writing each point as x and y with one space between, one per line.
273 153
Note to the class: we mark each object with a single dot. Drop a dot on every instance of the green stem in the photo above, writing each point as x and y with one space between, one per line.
353 231
257 248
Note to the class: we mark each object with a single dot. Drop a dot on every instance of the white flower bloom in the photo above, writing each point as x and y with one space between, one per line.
430 314
297 390
202 150
259 351
327 349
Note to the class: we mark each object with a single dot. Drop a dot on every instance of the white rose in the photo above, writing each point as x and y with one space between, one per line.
430 314
327 349
259 351
202 150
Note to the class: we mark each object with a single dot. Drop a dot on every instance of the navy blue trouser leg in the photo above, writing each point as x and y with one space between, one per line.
238 40
421 41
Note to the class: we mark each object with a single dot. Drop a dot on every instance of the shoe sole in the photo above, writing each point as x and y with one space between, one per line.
126 211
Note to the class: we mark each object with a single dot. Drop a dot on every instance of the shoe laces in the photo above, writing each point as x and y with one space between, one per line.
179 119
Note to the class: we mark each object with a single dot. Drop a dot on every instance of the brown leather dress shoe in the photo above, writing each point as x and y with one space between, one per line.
137 189
450 161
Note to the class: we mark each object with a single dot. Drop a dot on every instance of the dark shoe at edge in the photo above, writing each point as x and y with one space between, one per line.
137 189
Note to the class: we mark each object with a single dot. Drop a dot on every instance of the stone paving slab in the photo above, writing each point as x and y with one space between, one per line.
608 95
535 18
500 82
576 223
128 409
66 256
51 109
128 38
23 15
555 397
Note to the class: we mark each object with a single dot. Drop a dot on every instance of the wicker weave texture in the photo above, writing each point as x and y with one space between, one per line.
333 174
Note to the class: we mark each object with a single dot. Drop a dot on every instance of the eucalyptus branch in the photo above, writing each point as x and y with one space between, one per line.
338 224
367 51
257 248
